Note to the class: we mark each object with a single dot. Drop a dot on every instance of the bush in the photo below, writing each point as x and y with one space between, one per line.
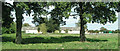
66 31
11 29
56 31
43 28
4 30
23 31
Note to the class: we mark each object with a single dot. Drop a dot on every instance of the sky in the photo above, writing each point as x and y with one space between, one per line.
71 22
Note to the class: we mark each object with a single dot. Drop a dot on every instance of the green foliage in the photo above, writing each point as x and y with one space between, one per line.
48 22
43 28
11 29
62 9
52 25
38 28
103 29
116 31
66 31
7 18
23 31
93 31
56 31
98 12
26 25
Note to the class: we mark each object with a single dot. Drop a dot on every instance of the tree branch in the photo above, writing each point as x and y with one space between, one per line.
9 4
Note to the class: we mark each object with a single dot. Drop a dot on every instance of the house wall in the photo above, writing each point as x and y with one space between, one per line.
31 31
72 32
62 31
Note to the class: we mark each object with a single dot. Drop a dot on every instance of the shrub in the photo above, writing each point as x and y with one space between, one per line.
43 28
66 31
56 31
11 29
23 31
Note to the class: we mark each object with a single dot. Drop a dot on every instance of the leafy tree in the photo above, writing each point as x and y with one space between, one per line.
103 29
26 25
24 7
98 12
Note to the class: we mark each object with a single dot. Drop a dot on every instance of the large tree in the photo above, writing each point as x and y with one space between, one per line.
24 7
99 12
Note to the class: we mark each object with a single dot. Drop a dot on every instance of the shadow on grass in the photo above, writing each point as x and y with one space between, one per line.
34 40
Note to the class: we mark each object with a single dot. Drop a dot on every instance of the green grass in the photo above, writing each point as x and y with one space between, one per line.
60 41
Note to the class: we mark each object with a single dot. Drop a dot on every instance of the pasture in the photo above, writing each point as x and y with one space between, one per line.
60 41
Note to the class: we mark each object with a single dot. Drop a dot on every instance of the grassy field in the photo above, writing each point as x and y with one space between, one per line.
60 41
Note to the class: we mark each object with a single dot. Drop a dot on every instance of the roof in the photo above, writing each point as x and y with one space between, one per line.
71 28
29 28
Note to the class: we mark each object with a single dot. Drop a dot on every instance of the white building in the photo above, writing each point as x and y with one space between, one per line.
30 30
71 30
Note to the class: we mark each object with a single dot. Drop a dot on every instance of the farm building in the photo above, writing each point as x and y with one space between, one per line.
71 30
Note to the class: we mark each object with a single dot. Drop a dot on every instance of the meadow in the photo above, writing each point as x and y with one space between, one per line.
60 41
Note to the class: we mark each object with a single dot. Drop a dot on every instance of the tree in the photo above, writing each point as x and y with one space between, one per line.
26 25
103 29
24 7
99 12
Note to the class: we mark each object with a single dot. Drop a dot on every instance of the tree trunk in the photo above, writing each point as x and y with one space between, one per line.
82 29
19 18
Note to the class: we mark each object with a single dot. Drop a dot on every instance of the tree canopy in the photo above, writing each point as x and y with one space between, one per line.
26 25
